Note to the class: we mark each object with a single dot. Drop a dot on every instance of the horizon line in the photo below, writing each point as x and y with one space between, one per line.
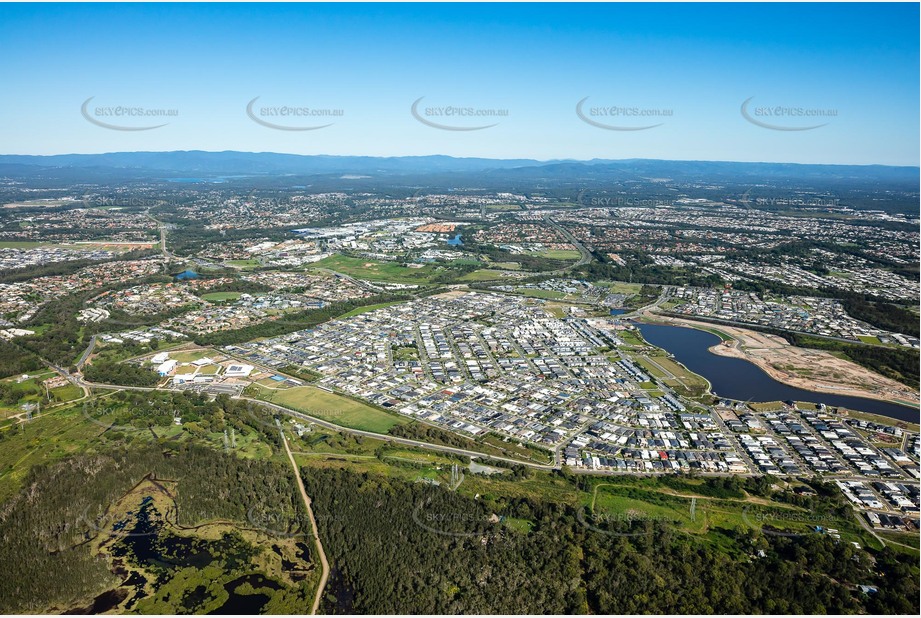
539 161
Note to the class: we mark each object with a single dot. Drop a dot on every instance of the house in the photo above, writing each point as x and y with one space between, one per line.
159 359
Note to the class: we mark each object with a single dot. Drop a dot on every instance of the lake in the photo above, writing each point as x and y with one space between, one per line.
187 274
735 378
456 241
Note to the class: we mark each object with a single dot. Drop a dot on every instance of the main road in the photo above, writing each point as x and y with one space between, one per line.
585 256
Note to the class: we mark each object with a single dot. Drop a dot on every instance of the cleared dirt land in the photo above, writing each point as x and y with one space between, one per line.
813 370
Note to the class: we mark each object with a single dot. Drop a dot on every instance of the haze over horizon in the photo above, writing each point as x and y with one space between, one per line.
536 161
799 83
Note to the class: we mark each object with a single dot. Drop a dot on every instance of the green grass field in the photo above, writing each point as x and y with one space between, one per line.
372 270
220 297
47 438
622 287
674 374
484 274
535 293
633 502
244 264
367 308
332 407
517 524
67 393
29 391
560 254
631 337
649 367
192 355
766 406
22 244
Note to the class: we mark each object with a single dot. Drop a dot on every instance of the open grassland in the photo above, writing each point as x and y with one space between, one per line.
332 407
622 287
18 392
536 293
372 270
244 264
368 308
560 254
220 297
484 274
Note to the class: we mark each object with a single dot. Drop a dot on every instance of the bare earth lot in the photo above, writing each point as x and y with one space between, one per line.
813 370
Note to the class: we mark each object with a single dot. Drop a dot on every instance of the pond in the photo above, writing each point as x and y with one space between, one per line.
186 274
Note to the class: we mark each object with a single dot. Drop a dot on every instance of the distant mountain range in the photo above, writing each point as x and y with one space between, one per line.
198 163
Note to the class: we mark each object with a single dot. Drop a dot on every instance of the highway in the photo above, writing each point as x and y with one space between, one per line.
585 254
86 353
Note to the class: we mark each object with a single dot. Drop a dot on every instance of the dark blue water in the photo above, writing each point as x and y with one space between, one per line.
187 274
739 379
456 241
618 311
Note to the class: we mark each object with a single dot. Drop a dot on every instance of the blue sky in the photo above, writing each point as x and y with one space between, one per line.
693 65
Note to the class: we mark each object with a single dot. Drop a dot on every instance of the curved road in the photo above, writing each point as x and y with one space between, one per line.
395 439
